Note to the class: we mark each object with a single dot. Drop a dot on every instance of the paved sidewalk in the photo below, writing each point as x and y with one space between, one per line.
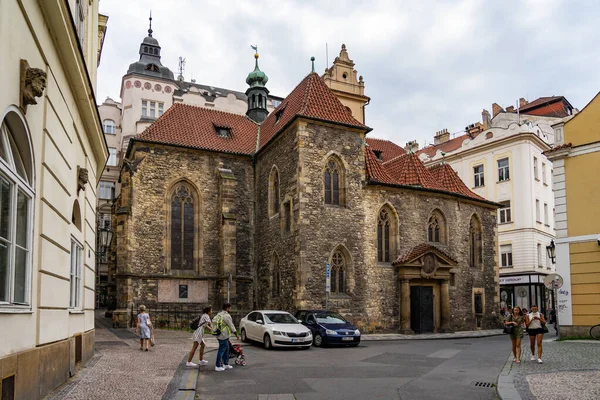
430 336
571 370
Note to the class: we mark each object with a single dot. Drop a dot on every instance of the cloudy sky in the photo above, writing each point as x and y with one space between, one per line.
427 65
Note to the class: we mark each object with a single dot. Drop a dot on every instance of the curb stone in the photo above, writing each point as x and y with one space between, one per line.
506 386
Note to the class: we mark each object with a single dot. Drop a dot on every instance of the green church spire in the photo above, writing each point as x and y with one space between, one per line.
256 77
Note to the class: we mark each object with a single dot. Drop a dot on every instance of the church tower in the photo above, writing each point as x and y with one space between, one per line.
149 62
341 79
257 93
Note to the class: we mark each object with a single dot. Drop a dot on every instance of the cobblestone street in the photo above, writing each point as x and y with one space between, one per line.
571 370
120 371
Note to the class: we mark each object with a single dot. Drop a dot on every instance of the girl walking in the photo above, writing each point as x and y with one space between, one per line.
535 321
143 325
199 338
516 320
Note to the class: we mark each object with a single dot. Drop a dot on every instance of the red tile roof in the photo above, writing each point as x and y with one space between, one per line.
557 148
447 147
375 170
540 102
409 170
387 149
446 178
312 99
419 251
195 127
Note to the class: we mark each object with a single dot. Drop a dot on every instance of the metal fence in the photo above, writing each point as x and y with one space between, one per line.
170 316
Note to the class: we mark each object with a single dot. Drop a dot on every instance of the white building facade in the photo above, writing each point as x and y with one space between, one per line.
52 152
502 160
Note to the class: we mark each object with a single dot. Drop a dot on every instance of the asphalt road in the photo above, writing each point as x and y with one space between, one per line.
405 369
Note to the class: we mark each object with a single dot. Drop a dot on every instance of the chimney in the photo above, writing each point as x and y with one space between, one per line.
510 109
486 119
441 137
412 146
496 109
473 129
522 102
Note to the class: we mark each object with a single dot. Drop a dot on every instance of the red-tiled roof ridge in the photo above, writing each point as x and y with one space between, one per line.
312 99
193 126
540 101
447 147
409 170
388 149
447 179
419 251
557 148
374 170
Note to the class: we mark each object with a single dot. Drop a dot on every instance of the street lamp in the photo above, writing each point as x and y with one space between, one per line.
106 235
551 249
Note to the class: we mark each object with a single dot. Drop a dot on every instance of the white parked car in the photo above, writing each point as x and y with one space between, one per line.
275 329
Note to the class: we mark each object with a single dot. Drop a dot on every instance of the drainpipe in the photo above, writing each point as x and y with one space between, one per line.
366 104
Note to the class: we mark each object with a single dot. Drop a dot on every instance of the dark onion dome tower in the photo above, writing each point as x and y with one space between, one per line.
149 63
257 93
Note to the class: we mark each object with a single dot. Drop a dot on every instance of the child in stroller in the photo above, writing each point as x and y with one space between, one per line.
235 350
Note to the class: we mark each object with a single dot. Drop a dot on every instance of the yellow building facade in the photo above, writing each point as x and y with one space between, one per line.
52 152
576 161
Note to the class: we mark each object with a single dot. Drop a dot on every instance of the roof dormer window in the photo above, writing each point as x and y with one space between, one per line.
152 67
278 115
378 154
223 132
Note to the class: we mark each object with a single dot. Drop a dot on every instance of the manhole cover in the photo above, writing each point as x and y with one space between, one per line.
483 384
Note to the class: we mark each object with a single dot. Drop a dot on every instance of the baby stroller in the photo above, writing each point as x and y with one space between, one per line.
235 350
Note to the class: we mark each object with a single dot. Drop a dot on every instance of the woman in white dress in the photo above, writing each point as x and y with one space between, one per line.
144 326
199 338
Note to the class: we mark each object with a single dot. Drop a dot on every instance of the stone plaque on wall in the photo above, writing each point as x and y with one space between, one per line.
182 291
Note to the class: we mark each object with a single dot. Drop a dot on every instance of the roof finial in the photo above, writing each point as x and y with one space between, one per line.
313 63
150 28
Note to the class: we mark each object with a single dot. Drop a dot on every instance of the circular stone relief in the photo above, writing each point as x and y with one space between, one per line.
128 84
147 86
167 89
157 87
429 264
137 84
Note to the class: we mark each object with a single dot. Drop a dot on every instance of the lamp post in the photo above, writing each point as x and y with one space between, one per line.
551 249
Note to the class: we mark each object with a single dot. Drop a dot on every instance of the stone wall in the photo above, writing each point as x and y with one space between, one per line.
143 225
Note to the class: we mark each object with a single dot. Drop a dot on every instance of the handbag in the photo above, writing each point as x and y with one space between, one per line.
508 329
544 328
152 343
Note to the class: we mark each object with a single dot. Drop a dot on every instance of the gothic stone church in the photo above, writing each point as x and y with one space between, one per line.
252 207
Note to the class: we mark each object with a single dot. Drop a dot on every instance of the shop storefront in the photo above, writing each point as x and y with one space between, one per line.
523 290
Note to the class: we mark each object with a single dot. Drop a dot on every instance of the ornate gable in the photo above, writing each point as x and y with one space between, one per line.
424 261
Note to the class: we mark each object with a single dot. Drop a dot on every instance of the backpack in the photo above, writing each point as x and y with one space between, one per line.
217 324
195 324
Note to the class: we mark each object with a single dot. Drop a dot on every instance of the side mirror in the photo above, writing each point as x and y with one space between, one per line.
259 321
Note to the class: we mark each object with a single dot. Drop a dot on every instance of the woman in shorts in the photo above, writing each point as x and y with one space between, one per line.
516 320
535 321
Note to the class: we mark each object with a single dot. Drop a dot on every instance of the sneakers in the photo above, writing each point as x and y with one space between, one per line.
227 366
203 362
539 360
219 369
191 364
532 358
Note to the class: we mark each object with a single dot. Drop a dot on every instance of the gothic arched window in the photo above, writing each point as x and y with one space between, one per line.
383 236
436 228
333 183
338 269
475 243
182 228
275 277
273 192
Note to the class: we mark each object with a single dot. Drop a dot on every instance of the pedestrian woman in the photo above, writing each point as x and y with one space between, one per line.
199 337
535 321
516 320
144 325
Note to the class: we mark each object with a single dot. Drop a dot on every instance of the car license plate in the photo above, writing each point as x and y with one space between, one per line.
297 340
348 338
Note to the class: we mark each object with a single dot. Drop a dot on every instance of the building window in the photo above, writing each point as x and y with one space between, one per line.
76 275
275 103
540 256
478 176
506 255
109 127
546 220
144 108
275 277
436 228
537 211
504 213
107 190
333 183
16 223
149 109
274 192
503 172
287 223
182 228
535 169
383 236
160 109
475 243
112 158
338 269
223 132
544 181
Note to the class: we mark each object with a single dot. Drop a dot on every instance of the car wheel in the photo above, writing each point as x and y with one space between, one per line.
244 337
267 342
318 340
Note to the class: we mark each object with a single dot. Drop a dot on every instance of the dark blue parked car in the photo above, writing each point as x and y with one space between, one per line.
329 327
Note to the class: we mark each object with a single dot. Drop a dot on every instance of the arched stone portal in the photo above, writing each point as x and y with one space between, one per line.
424 298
